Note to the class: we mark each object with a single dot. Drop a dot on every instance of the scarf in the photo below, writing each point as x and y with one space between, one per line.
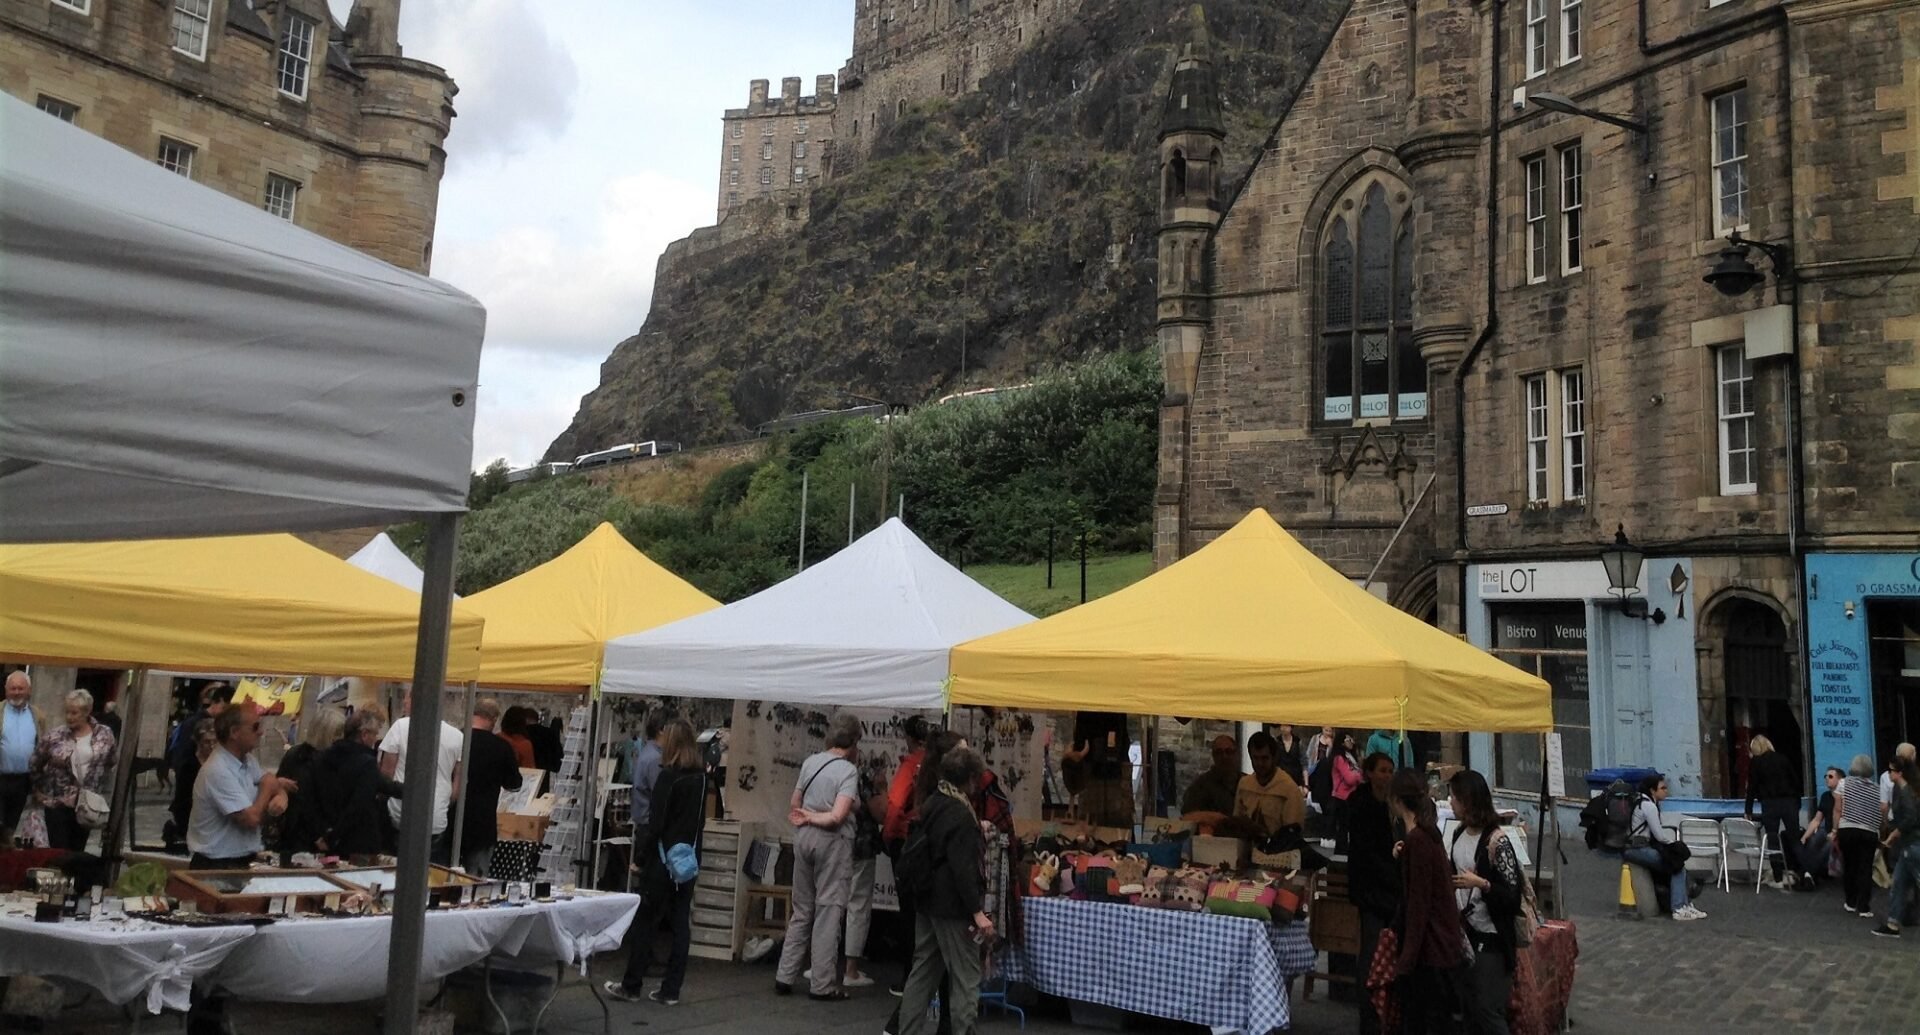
960 796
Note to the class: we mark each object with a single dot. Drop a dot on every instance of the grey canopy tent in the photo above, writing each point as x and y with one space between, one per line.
175 362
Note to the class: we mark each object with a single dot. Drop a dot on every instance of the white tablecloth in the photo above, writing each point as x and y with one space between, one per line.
345 960
122 959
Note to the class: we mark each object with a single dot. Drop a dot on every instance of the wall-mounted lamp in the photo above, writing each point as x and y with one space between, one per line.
1565 106
1622 561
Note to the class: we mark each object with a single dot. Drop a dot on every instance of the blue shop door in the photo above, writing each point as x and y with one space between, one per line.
1629 690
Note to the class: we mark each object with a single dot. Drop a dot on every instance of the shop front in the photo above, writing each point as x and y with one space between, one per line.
1863 630
1623 683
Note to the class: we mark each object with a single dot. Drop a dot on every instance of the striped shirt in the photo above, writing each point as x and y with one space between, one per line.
1859 804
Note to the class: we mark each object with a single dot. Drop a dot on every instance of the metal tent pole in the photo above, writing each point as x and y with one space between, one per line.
466 767
416 807
119 830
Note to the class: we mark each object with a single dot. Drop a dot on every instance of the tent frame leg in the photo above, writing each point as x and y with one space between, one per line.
466 767
119 831
416 809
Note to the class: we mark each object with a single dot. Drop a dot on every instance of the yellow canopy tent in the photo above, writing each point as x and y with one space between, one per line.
254 603
1253 627
548 627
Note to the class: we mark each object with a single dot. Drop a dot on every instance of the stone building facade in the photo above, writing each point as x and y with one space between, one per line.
776 150
1456 337
269 101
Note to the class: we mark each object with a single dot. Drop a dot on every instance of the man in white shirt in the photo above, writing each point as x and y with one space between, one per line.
446 770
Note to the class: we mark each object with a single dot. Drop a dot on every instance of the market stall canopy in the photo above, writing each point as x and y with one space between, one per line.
381 557
257 603
1252 627
549 626
870 626
176 362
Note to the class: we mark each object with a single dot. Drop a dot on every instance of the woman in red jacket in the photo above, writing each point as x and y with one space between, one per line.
1432 946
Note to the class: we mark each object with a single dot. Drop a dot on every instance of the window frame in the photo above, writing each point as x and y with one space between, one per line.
766 176
1572 212
1534 181
282 55
733 153
291 200
75 6
1396 326
1726 418
66 111
1574 454
1534 42
766 150
1717 162
799 174
799 149
205 20
179 168
1572 44
1534 415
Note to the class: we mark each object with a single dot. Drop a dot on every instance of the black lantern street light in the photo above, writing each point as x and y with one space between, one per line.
1623 561
1733 274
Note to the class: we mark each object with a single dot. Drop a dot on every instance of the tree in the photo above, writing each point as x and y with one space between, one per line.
488 485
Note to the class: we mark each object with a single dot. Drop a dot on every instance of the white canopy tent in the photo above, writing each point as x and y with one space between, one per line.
381 557
175 362
869 627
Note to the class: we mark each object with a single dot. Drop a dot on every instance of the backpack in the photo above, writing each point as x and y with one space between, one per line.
1621 801
913 873
1320 783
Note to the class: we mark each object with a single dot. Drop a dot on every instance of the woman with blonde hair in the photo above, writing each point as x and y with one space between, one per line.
302 824
70 760
1772 781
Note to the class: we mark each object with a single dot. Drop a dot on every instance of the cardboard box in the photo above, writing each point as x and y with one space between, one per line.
514 827
1231 852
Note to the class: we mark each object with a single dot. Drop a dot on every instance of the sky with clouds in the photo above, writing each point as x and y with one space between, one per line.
588 138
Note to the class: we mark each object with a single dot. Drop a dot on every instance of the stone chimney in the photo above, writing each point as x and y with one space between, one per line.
757 93
374 27
823 88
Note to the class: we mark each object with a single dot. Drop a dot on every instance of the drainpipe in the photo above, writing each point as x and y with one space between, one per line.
1493 297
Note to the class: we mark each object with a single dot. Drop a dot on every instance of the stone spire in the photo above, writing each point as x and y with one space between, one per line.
1193 98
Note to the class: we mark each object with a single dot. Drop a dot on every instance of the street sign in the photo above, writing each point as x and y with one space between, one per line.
1487 510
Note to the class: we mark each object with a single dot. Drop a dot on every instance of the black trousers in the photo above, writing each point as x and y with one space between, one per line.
14 788
64 829
661 899
1427 1001
1856 866
1780 821
208 862
1370 928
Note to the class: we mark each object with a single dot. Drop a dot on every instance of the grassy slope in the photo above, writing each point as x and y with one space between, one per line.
1025 585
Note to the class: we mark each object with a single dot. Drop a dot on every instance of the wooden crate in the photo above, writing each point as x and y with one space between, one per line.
444 886
255 891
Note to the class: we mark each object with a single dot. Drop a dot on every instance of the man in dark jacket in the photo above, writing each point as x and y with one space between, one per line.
491 768
942 861
353 822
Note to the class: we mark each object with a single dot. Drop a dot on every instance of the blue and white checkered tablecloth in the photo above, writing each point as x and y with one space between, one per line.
1221 971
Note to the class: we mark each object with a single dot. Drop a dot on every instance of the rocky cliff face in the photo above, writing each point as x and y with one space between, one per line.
1013 225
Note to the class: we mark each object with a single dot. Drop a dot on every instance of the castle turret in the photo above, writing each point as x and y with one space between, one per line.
406 109
1191 132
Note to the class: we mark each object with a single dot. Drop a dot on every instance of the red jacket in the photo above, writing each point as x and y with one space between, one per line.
1432 935
900 798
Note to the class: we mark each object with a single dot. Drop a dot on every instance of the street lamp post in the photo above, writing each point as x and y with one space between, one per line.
1623 561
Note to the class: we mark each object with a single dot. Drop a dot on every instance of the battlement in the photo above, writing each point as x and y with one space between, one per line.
776 149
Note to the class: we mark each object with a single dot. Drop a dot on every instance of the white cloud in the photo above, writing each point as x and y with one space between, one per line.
559 287
525 399
517 82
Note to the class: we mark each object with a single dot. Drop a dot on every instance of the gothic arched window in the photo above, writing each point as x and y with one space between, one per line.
1370 368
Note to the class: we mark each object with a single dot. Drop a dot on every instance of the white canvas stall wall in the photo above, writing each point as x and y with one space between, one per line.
769 741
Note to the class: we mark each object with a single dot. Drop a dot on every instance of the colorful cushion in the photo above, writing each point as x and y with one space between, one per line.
1252 899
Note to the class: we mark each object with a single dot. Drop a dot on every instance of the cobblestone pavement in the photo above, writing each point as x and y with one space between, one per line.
1774 962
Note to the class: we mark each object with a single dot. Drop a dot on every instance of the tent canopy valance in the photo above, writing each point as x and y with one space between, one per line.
1252 627
176 362
548 627
870 626
257 603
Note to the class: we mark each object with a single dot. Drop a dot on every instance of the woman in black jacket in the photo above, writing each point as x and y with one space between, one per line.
1772 782
352 821
301 825
677 817
942 862
1490 889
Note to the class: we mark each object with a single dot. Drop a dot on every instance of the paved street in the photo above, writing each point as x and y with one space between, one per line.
1772 961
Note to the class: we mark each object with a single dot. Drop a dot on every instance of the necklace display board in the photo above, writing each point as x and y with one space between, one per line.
561 848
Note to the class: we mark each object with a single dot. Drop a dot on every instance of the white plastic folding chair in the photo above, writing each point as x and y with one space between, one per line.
1702 838
1743 838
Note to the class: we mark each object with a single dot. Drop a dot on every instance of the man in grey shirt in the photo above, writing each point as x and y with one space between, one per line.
646 772
821 811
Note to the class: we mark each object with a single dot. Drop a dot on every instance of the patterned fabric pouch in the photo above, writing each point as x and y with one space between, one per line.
1252 899
1186 890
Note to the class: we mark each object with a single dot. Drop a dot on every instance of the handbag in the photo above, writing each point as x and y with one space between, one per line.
92 809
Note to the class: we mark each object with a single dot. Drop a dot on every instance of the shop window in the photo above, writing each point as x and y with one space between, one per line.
1893 646
1370 367
1550 641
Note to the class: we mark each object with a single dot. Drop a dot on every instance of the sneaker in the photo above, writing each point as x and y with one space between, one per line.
1866 914
857 981
618 990
758 949
1688 913
663 999
1886 931
782 988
